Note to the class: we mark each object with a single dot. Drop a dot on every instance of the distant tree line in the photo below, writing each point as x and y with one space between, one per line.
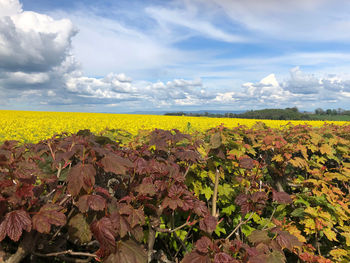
271 114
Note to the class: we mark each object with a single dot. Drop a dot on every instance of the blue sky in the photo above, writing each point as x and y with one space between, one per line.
124 56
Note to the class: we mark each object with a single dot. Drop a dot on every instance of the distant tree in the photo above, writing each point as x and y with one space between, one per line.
319 111
329 112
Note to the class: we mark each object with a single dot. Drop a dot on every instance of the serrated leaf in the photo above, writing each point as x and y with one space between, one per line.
104 233
128 252
79 229
278 158
208 224
299 212
81 176
338 253
258 236
115 164
196 257
281 197
94 202
49 214
347 237
14 223
330 234
276 257
121 224
207 191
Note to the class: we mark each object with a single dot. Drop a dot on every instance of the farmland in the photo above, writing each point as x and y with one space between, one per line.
30 126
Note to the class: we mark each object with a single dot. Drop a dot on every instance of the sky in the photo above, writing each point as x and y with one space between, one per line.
149 55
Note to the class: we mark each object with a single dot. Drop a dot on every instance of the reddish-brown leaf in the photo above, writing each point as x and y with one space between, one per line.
14 223
203 244
208 224
246 162
94 202
120 223
281 197
81 176
104 233
49 214
128 252
223 258
172 203
196 257
258 236
115 164
287 240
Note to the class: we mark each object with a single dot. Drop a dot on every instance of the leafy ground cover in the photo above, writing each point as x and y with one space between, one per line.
237 195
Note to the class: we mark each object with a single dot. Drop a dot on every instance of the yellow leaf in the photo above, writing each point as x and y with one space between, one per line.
278 158
298 162
338 253
330 234
326 149
347 237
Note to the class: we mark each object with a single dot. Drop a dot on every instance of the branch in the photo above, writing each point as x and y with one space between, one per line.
239 225
215 194
166 230
69 252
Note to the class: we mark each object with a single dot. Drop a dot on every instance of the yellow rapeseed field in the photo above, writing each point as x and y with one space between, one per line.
31 126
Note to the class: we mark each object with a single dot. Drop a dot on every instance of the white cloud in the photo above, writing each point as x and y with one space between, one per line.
188 18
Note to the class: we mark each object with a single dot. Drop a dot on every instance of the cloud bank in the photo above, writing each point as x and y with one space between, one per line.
42 68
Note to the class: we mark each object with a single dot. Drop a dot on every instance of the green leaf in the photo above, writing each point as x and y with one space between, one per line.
299 212
228 210
247 230
208 192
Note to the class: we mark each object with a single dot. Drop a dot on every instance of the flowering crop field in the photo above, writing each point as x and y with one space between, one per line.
30 126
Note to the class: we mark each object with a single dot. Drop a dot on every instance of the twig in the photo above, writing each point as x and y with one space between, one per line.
59 170
165 230
69 252
215 194
273 212
239 225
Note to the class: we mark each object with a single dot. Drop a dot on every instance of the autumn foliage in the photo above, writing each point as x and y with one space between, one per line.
241 195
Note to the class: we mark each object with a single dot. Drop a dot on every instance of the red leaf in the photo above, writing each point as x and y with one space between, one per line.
128 252
81 176
223 258
115 164
281 197
172 203
94 202
120 224
208 224
203 244
196 257
14 223
103 231
246 162
287 240
49 214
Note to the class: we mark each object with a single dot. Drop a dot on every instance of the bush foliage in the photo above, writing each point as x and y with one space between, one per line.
241 195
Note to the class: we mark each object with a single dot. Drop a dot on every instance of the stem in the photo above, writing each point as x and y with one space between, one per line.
69 252
239 225
215 194
318 244
273 212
